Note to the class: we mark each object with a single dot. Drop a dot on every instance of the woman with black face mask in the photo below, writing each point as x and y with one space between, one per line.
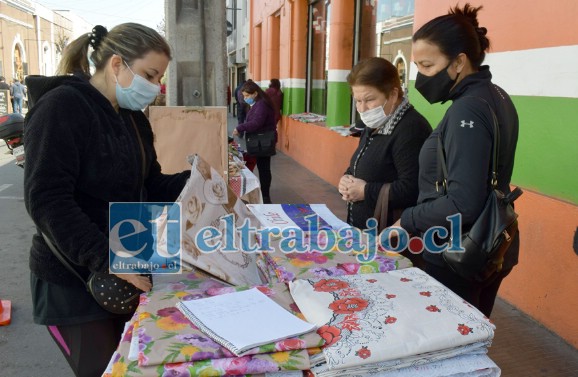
448 52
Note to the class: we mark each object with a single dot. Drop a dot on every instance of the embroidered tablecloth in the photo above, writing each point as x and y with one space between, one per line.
389 320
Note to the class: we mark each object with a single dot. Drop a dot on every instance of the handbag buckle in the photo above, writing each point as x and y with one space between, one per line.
507 236
440 185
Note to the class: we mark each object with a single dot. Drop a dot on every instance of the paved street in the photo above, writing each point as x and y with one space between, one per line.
26 349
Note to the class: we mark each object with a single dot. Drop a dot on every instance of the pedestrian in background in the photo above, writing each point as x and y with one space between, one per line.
448 52
261 117
3 84
274 92
88 144
242 107
18 92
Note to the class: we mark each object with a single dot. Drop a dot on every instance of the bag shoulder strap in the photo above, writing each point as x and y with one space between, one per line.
442 170
142 151
63 259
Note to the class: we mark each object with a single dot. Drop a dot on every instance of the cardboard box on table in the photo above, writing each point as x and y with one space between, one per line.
181 131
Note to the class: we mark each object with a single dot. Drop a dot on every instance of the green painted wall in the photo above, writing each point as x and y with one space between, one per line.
547 152
338 104
318 102
293 101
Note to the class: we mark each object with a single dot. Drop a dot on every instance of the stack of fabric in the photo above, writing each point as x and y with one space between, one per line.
161 341
309 117
287 267
379 324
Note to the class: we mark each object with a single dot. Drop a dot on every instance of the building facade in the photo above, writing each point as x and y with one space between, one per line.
312 46
237 44
32 38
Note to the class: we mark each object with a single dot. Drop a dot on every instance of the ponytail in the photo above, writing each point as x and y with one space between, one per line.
457 32
130 41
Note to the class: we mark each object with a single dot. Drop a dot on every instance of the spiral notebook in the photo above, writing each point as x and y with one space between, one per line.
243 320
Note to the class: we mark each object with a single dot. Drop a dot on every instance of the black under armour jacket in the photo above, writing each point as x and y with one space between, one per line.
467 134
80 155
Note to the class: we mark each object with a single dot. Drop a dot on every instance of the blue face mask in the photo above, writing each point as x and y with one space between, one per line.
138 95
250 101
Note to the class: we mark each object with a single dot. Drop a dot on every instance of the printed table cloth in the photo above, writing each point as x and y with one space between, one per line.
287 267
160 341
165 335
389 320
246 186
206 199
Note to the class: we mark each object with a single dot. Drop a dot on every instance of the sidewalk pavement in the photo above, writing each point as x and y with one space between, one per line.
522 347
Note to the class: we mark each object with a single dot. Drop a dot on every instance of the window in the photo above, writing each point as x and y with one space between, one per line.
318 57
384 29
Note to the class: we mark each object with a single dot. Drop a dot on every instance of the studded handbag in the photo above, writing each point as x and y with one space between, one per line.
112 293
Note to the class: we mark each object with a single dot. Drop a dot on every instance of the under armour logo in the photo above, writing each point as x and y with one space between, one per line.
470 123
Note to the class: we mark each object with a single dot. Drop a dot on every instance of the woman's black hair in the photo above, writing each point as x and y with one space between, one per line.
251 87
457 32
275 83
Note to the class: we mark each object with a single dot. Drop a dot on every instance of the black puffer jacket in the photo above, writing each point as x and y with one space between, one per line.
467 134
80 155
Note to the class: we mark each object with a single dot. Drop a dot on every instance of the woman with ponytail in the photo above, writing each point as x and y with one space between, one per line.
449 51
88 144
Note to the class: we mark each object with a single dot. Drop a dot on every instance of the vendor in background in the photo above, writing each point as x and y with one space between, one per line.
89 144
261 117
274 92
448 52
383 170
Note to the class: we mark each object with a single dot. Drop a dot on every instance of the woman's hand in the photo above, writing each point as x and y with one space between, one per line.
356 190
141 282
235 132
352 189
343 186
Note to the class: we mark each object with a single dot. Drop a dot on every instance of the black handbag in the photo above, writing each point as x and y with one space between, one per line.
112 293
490 237
261 144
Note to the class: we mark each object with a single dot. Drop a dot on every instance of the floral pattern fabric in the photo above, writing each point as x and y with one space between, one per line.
388 321
287 267
168 344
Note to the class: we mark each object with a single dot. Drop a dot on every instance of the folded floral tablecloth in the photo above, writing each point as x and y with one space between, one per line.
386 321
278 266
161 341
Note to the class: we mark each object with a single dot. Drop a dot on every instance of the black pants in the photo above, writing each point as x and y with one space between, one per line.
482 296
264 166
88 347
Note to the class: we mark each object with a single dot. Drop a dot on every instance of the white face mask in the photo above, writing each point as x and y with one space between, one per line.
373 118
138 94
